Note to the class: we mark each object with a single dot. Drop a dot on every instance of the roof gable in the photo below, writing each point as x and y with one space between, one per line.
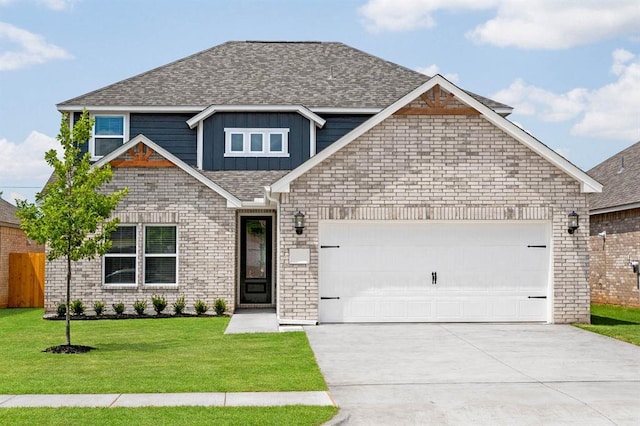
470 106
8 214
232 201
619 175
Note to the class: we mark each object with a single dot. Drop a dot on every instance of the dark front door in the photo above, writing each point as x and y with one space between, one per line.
255 259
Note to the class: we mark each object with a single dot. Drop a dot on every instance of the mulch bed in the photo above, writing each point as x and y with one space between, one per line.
55 317
68 349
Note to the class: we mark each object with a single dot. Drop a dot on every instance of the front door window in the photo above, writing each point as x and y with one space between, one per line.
255 260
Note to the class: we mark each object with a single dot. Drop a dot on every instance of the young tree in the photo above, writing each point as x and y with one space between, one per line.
71 214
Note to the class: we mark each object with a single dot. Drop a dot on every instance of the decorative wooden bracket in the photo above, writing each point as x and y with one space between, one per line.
436 106
140 155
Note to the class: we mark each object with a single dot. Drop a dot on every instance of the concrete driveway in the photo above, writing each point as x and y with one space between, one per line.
478 374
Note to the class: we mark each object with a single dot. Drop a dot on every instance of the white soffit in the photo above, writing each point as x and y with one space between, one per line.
209 111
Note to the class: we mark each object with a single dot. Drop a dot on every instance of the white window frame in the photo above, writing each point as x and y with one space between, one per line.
133 255
246 142
145 255
125 130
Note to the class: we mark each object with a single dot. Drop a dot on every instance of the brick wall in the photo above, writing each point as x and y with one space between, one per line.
436 167
611 278
206 242
12 240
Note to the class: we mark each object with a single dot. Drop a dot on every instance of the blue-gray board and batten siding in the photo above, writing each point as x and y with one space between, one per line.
171 132
214 140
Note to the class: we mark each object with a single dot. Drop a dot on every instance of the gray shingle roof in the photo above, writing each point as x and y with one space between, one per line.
313 74
8 214
245 184
619 176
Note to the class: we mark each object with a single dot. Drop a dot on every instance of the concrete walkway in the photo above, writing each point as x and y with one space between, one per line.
478 374
210 399
256 321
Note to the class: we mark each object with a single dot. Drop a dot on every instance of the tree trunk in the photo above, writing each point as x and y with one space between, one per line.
68 317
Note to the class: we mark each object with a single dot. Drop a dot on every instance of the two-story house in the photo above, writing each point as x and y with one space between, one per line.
334 186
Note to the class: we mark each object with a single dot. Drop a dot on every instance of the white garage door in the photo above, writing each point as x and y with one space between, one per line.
387 271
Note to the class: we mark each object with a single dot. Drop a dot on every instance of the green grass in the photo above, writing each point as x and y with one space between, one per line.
615 321
150 355
156 416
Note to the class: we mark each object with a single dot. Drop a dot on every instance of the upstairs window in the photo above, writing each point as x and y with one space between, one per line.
256 142
109 132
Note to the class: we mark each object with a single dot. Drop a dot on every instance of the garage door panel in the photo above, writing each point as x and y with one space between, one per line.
486 271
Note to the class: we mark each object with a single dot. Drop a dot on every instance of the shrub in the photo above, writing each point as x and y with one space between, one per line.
77 307
201 307
220 306
179 306
118 308
159 303
139 306
61 310
98 307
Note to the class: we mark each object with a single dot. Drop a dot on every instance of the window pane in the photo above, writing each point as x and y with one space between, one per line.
256 142
119 270
123 240
109 126
160 270
275 142
237 142
106 145
160 240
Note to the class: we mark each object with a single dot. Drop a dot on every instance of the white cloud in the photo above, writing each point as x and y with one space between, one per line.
403 15
31 48
23 164
58 4
609 112
432 70
540 24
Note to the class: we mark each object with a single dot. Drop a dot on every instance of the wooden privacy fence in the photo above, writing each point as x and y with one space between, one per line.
26 280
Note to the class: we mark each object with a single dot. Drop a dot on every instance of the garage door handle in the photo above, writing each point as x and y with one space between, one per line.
329 298
329 246
537 297
540 246
434 278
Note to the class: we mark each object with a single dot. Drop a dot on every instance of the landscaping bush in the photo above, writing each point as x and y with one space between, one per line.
77 307
179 306
118 308
201 307
220 306
139 306
159 303
61 310
98 307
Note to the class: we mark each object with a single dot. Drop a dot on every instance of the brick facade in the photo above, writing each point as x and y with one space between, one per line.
12 240
427 167
611 278
206 242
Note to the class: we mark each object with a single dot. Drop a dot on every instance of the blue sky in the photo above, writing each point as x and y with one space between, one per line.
570 68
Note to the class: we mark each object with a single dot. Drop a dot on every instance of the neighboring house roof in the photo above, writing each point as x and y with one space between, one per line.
320 75
8 214
232 200
619 176
588 184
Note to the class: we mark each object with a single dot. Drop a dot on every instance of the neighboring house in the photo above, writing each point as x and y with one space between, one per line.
12 240
421 202
615 229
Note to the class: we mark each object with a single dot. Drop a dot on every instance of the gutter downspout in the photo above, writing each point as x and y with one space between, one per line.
267 191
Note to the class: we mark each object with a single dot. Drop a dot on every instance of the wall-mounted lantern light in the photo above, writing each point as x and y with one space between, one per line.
573 222
298 222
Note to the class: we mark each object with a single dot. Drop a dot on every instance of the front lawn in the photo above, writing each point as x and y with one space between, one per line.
615 321
150 355
153 416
